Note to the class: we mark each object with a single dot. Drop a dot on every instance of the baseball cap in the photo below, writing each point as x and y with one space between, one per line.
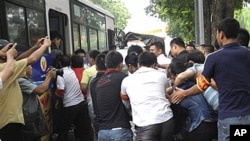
3 43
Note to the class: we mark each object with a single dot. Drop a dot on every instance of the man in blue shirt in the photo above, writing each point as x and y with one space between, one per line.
230 68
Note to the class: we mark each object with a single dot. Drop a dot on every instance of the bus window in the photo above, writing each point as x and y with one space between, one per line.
76 36
102 41
93 39
16 24
83 34
36 25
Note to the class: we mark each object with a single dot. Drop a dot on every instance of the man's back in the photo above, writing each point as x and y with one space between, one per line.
111 109
230 68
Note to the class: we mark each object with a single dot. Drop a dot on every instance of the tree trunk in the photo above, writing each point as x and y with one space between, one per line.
220 10
207 21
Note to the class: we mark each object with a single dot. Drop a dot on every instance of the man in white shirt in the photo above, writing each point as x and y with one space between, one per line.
159 50
151 112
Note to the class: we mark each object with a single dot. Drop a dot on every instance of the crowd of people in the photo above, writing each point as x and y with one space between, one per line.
194 93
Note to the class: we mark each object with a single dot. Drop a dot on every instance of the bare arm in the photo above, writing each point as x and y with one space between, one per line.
31 50
84 86
39 90
183 77
9 67
39 52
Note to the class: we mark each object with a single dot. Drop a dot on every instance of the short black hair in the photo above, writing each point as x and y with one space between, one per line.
176 66
55 34
100 62
230 27
208 48
159 45
178 41
135 48
243 37
113 59
76 61
132 59
65 61
196 56
94 53
147 59
80 50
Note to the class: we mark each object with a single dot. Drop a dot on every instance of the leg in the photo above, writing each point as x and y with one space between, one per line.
167 131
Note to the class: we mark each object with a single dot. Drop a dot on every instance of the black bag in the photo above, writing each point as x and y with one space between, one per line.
35 125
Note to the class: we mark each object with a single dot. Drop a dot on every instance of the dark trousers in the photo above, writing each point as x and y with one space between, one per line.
11 132
78 116
157 132
206 131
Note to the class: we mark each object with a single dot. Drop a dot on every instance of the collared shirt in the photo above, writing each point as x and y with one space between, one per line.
146 91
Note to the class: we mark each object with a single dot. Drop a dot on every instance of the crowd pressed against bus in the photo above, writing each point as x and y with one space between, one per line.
194 93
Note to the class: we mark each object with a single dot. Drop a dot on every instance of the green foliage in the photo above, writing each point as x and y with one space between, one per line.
180 15
117 8
243 17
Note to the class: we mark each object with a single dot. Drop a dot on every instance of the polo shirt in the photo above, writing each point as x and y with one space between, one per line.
230 68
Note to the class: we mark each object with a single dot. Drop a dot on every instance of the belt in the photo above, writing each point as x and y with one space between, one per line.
118 128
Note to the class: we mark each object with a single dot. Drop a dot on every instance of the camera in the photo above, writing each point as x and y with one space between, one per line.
58 71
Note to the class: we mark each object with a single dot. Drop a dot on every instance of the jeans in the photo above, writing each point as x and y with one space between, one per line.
224 126
123 134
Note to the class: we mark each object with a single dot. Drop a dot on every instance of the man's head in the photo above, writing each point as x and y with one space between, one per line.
147 59
177 45
243 37
227 31
65 61
114 60
56 38
76 61
206 49
190 47
157 48
92 56
135 48
100 62
80 52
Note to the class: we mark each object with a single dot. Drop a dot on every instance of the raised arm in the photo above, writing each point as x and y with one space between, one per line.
9 67
31 50
39 52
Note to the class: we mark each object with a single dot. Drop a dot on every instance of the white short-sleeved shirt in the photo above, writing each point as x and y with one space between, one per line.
162 59
72 91
146 91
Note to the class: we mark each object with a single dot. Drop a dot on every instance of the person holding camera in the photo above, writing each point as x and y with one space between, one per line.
74 109
35 124
11 117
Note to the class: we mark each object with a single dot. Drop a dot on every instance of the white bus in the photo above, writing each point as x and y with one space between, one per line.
80 23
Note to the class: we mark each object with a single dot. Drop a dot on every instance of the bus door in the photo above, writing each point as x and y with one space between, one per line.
58 23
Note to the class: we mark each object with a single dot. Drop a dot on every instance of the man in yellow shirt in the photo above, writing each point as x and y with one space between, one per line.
11 100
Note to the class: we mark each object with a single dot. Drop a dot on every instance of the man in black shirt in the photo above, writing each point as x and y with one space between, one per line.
114 119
